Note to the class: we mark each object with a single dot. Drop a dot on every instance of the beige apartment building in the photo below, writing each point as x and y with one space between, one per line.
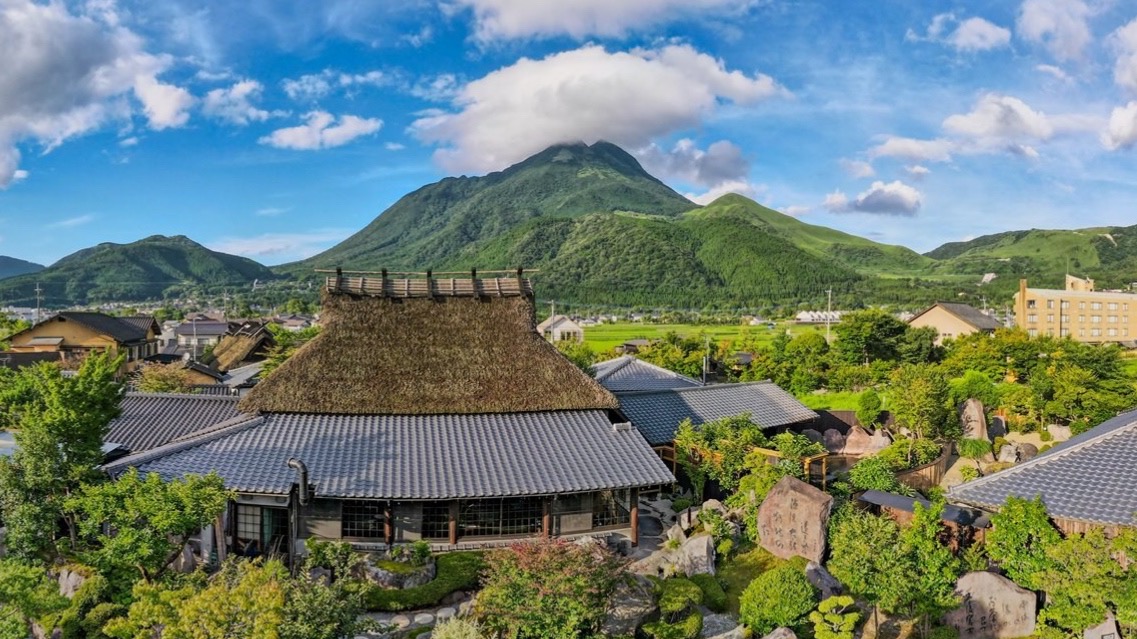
1078 312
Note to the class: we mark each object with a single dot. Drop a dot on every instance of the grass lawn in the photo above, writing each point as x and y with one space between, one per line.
831 401
604 337
740 569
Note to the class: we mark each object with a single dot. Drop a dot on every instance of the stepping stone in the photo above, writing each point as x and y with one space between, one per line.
424 619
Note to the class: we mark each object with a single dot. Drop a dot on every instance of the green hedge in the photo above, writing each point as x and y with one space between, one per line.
456 571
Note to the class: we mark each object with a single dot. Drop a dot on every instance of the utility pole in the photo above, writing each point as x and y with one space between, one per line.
39 301
706 356
552 308
828 312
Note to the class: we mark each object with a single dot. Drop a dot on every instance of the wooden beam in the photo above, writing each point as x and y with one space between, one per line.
388 527
547 518
635 497
454 523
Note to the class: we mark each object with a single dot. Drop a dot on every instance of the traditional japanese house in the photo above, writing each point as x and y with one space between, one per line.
630 373
426 409
1085 482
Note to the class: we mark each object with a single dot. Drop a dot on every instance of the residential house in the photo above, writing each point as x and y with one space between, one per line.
294 322
198 335
14 361
559 328
1086 482
1079 312
633 346
657 414
954 320
629 373
73 334
151 420
244 343
426 409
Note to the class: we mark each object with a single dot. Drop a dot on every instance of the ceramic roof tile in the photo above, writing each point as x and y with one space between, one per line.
657 414
1088 478
149 420
418 456
628 373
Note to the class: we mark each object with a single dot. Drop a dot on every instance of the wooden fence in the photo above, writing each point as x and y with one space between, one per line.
928 475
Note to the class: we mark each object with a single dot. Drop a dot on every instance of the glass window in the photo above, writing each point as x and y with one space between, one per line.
1082 305
1033 332
1032 318
1095 332
1095 319
1112 319
1095 306
1113 306
364 520
1065 319
261 531
1031 303
1065 332
436 520
500 517
1065 304
1050 318
1049 303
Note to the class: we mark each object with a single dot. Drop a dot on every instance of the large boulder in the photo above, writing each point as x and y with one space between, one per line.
696 556
860 443
719 626
813 435
793 518
993 607
1105 630
677 533
823 581
1059 433
632 604
1009 453
997 428
1027 451
781 633
70 581
833 440
973 419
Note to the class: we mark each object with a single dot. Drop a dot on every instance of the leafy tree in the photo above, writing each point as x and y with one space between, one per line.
550 589
865 556
974 384
285 343
1020 535
1081 580
932 569
919 399
296 306
868 408
26 594
60 425
718 448
918 346
164 378
974 449
867 336
835 618
684 355
753 489
142 523
579 353
8 328
778 597
874 473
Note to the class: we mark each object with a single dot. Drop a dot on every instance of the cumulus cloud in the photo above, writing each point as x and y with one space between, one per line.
65 75
1062 26
721 168
1121 132
917 171
935 150
745 188
971 35
282 246
1124 41
858 168
313 86
321 130
513 19
1001 116
893 198
797 210
235 104
587 94
1053 71
19 175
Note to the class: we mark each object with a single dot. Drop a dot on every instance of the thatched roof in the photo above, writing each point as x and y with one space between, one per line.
239 345
468 346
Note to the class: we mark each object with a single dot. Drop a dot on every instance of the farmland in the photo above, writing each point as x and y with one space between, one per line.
605 337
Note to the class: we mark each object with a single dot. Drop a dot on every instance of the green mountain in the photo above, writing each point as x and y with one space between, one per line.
602 229
151 268
1107 254
11 267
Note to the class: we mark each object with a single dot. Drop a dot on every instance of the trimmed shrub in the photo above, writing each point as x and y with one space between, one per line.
903 454
873 473
682 503
998 444
456 628
690 627
1045 436
778 597
456 571
677 595
714 597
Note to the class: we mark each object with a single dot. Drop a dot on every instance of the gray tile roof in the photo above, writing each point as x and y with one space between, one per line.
1088 478
149 420
122 331
629 373
973 316
657 414
415 457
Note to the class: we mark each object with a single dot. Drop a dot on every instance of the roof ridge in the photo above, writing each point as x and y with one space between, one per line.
233 398
689 389
1057 453
186 442
622 363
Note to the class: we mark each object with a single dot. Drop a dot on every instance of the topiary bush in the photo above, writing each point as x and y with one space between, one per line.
906 453
714 597
835 618
676 595
681 503
873 473
1045 436
690 627
779 597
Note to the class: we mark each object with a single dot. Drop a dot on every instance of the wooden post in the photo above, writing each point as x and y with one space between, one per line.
383 284
454 523
547 518
339 278
388 527
824 471
635 497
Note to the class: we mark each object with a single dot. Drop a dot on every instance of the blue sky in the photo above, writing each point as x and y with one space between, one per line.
274 129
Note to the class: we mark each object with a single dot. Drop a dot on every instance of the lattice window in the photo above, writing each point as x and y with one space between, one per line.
436 520
363 519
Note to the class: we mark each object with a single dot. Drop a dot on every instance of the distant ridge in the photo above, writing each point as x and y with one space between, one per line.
11 267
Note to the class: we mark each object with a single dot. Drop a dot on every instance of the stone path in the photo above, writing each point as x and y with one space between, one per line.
405 622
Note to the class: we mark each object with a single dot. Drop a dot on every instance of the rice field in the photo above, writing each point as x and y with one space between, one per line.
604 337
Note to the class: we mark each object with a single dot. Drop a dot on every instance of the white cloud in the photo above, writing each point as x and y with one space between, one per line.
235 104
513 19
1121 132
721 162
309 87
1003 117
165 105
64 75
322 131
857 168
917 171
72 222
1124 41
1054 71
281 246
936 150
894 198
19 175
128 142
270 211
797 210
439 88
394 146
739 187
971 35
587 94
1059 25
